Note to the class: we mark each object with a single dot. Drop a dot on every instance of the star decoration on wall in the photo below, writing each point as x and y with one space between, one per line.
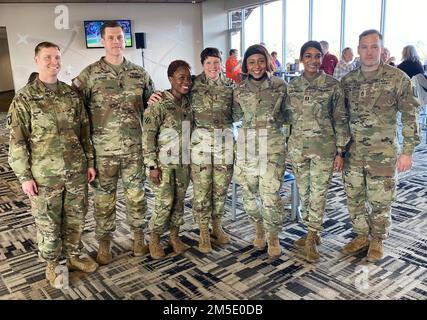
22 39
75 29
179 27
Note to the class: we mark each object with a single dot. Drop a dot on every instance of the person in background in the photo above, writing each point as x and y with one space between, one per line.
276 64
386 57
356 63
275 61
315 109
329 61
411 63
345 65
233 67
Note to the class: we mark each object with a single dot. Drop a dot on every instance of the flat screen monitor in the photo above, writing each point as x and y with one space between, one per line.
93 33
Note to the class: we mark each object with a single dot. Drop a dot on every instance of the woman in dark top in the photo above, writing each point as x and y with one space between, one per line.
411 63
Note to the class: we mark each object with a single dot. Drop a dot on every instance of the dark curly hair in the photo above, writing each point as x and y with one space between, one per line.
174 65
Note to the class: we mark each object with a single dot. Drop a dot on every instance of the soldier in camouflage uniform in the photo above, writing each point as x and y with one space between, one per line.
51 154
260 162
211 158
374 94
166 142
315 108
115 92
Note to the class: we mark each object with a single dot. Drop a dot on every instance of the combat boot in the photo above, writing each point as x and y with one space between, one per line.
85 264
139 246
51 274
220 237
176 243
204 239
359 243
259 241
311 253
274 249
104 254
376 250
156 250
300 243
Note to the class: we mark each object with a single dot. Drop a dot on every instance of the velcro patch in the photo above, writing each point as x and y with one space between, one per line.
77 83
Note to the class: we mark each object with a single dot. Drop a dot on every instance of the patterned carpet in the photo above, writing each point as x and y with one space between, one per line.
234 271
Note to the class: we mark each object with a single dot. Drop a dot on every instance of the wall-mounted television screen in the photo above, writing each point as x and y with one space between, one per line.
93 33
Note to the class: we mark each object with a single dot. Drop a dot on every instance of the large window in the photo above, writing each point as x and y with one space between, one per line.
296 28
404 23
252 26
327 23
235 31
361 15
273 28
410 29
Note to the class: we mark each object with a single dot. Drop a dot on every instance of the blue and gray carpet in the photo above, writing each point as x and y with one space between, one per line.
234 271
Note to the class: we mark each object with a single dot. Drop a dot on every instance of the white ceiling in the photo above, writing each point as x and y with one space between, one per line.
103 1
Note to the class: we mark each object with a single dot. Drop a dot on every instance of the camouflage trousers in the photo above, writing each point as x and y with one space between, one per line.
260 185
210 186
131 170
313 175
371 190
59 212
169 198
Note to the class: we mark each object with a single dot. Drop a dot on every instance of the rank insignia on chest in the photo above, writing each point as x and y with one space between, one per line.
362 93
307 98
185 115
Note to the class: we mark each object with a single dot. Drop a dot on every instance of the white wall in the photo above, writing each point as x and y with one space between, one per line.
173 31
215 25
235 4
6 81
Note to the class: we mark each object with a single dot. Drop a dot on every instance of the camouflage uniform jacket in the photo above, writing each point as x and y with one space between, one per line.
212 102
167 126
49 134
373 105
262 108
317 114
115 104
